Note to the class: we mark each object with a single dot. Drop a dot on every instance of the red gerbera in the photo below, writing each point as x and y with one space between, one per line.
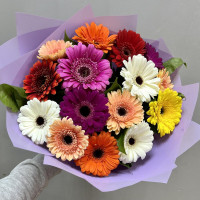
42 80
128 44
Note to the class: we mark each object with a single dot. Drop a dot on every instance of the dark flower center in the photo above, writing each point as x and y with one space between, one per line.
161 111
41 80
126 52
68 139
127 49
98 153
40 121
139 80
122 111
85 111
84 72
131 141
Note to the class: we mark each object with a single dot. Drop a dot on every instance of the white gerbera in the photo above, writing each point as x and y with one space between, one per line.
140 77
138 140
36 117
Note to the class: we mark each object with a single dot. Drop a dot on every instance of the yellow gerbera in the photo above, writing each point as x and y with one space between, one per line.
166 111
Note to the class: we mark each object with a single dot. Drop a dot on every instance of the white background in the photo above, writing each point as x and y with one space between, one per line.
178 23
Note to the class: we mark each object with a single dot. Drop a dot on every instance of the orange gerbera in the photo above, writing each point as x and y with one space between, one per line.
165 81
53 50
66 141
98 35
125 110
101 155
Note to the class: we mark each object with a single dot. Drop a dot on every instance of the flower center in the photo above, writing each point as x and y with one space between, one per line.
127 50
84 71
40 121
41 80
161 110
139 80
122 111
68 139
85 111
98 153
131 141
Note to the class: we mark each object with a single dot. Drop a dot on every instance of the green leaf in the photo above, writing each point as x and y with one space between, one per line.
12 97
128 165
120 140
172 64
66 38
115 86
181 95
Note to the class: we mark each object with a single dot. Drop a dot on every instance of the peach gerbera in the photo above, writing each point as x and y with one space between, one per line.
53 50
165 81
66 140
101 155
125 110
98 35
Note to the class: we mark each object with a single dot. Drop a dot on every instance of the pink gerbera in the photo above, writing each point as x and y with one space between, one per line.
84 66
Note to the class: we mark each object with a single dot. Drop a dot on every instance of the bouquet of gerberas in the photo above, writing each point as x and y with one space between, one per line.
98 99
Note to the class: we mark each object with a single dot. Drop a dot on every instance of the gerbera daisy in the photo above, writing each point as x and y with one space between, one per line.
140 78
66 141
166 111
42 80
98 35
137 142
165 80
53 50
36 117
128 43
153 55
125 110
86 108
101 155
84 67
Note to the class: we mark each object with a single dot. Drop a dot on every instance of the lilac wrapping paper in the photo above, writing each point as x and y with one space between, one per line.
32 31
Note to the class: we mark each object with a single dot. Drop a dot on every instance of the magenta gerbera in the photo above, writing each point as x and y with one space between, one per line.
87 108
153 55
84 67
